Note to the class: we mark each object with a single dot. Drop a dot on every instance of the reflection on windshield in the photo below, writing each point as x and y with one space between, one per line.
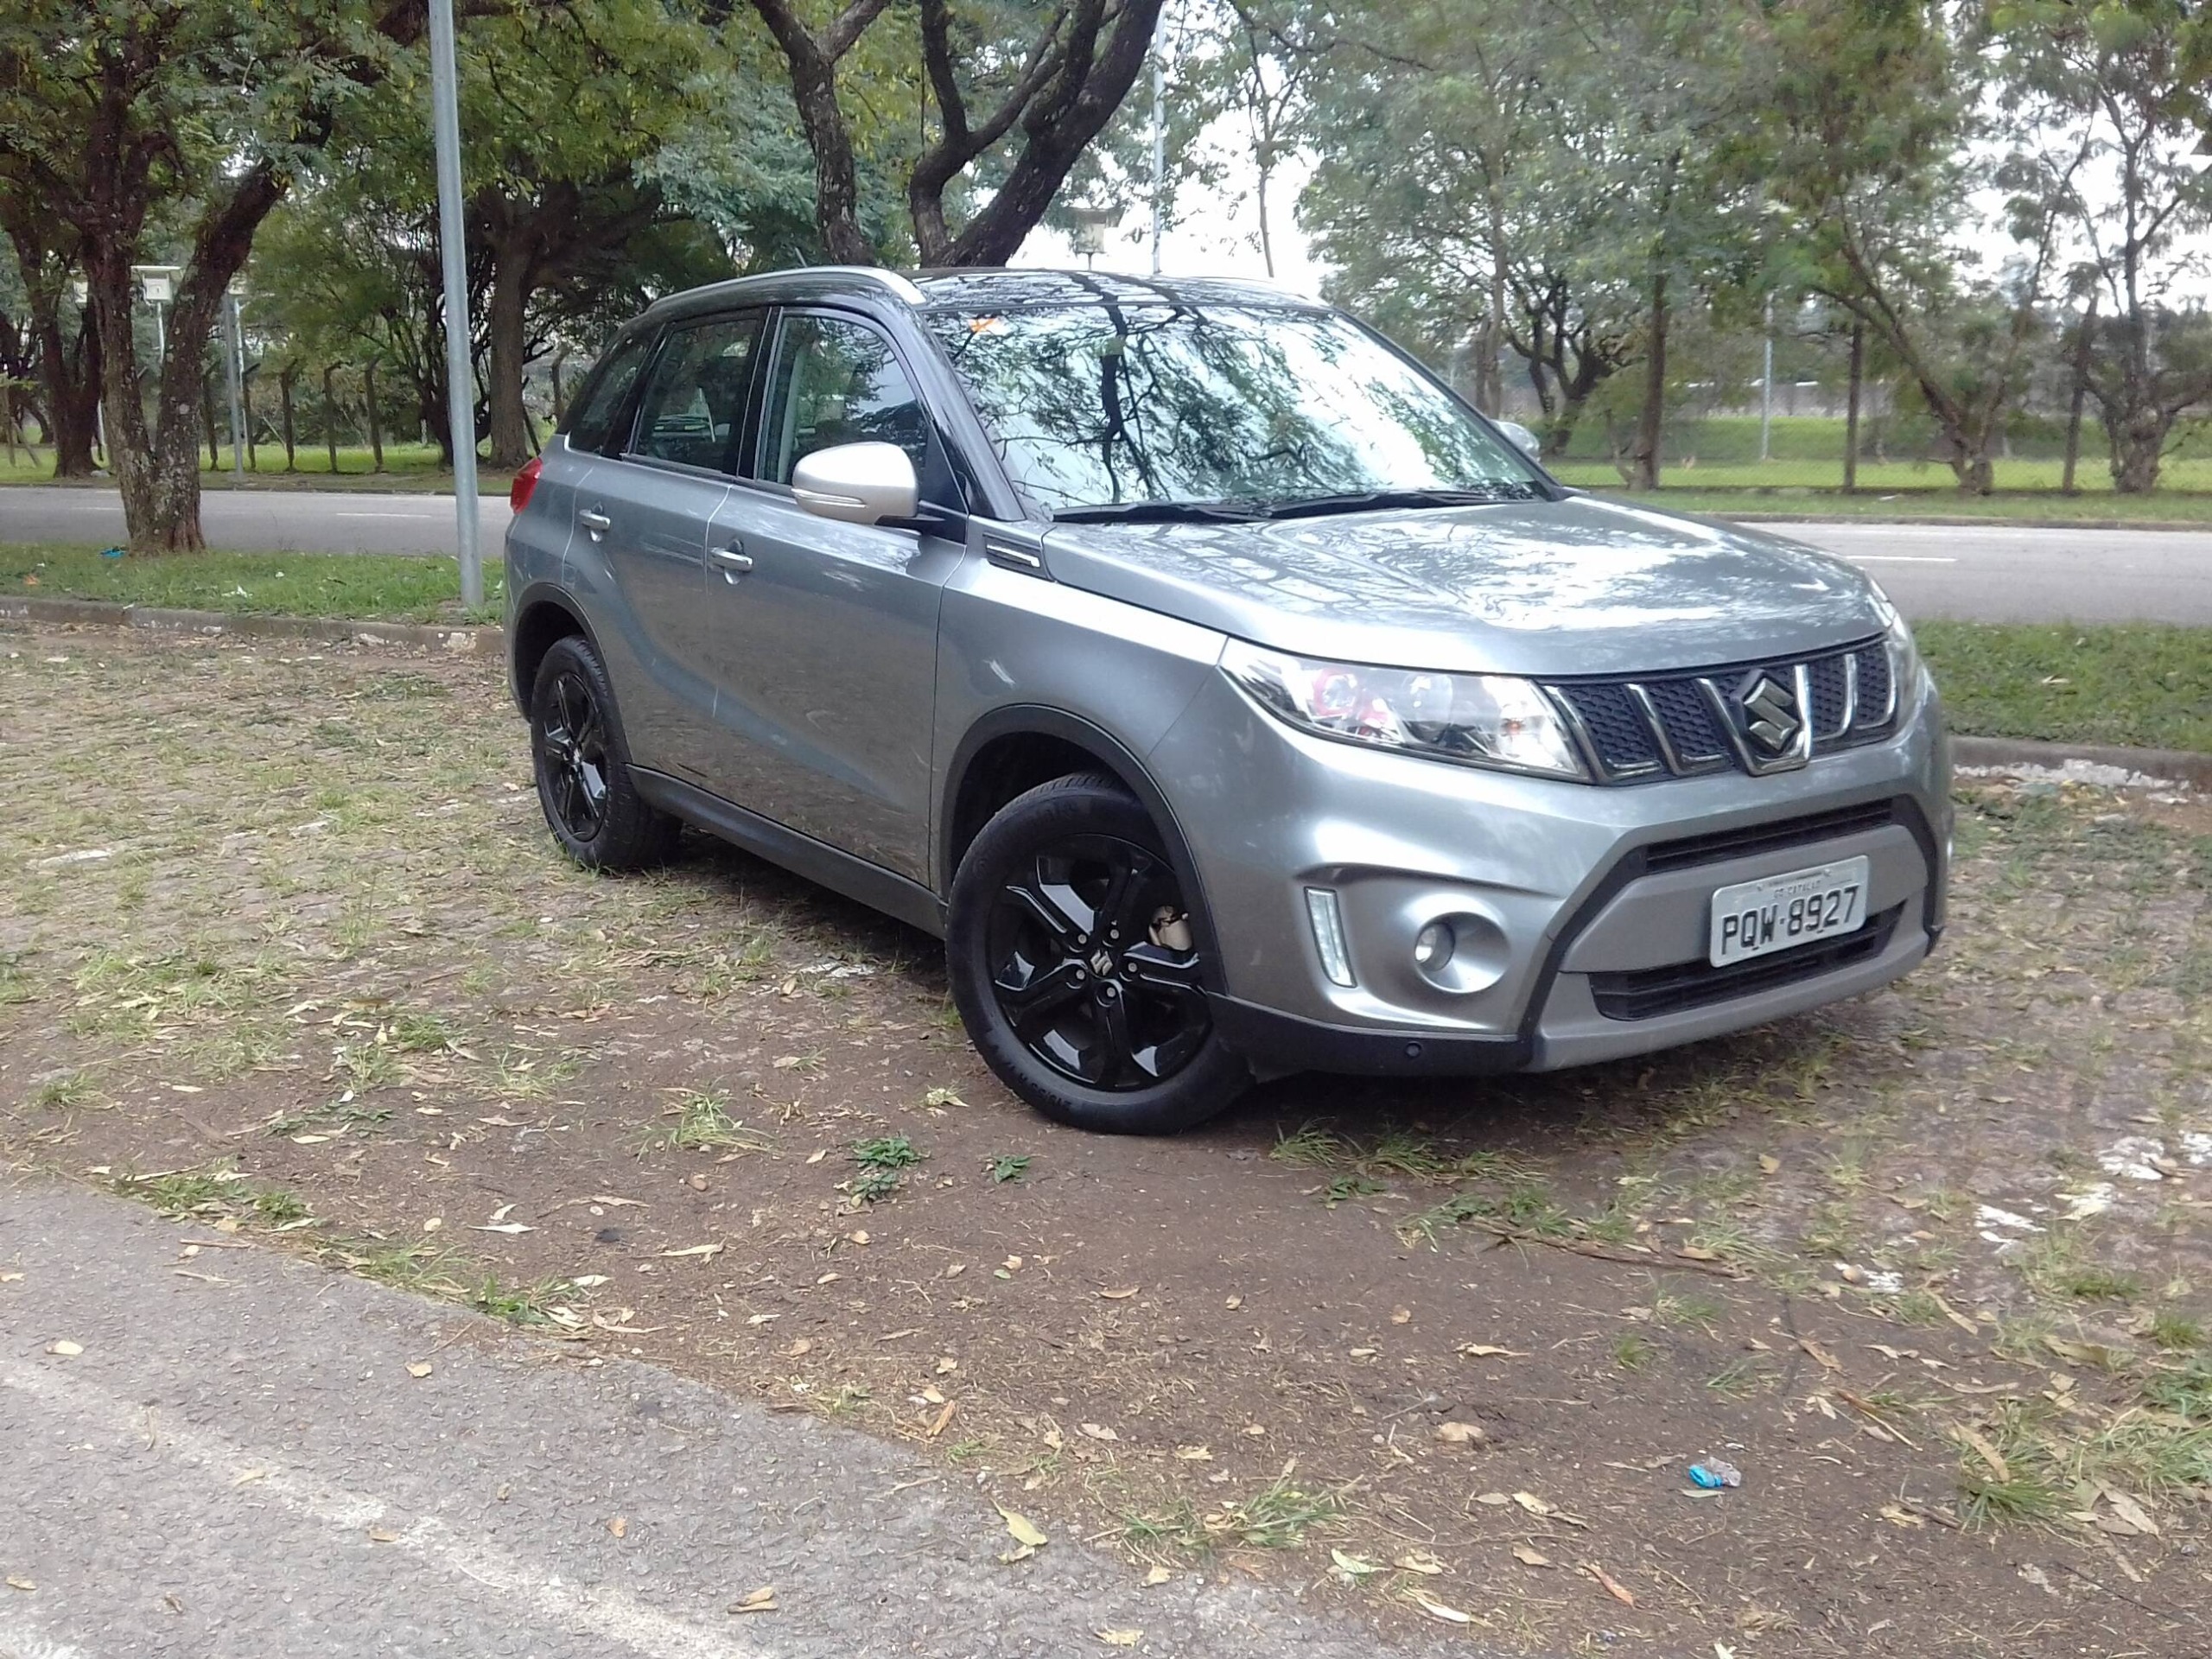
1107 404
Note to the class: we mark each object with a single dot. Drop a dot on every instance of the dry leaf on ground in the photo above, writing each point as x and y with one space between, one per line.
762 1600
1614 1587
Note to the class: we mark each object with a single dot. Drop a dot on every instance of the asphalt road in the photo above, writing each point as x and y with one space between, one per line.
1971 572
238 1460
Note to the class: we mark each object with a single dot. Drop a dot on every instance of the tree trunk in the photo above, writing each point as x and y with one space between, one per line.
330 418
560 403
2139 443
245 416
1644 457
208 421
73 391
1851 407
376 421
1490 387
290 373
2080 396
509 326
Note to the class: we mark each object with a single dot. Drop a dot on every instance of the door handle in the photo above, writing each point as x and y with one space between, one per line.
733 558
594 521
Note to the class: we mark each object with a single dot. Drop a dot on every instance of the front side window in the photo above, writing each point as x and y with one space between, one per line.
591 420
838 382
1099 404
693 408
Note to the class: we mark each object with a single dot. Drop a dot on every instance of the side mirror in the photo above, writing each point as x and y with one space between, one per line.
1523 440
858 483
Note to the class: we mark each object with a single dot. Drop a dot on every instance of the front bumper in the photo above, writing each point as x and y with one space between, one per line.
1581 909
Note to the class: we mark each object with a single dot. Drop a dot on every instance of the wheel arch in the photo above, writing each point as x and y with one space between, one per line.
1013 749
543 615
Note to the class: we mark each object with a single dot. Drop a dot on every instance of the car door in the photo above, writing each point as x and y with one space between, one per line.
649 509
825 634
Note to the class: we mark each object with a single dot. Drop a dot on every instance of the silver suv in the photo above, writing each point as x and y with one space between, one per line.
1231 697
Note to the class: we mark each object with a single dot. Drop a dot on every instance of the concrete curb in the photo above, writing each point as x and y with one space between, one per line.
97 614
2176 766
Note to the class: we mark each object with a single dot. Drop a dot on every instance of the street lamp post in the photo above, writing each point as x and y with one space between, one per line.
460 397
234 371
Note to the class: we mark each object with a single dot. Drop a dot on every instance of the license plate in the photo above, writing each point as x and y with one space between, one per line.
1753 918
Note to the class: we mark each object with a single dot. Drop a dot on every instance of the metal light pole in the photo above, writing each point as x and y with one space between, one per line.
1766 389
460 397
1159 149
234 371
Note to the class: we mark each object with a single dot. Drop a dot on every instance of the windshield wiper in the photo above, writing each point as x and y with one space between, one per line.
1375 500
1156 512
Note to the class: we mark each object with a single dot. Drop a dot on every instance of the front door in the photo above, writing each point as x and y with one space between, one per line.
825 634
657 503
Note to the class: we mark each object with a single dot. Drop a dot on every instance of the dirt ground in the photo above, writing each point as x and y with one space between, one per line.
285 949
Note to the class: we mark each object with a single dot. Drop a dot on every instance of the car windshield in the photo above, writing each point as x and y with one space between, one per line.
1112 410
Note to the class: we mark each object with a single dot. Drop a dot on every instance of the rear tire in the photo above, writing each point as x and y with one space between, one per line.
1075 965
584 767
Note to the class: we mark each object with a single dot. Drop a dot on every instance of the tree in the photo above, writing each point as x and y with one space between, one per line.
1536 173
64 357
1020 92
2111 116
1867 107
108 111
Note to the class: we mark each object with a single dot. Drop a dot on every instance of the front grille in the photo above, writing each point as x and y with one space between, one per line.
1632 730
1648 993
1752 838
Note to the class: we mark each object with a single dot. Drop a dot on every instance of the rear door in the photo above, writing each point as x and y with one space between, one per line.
648 511
825 634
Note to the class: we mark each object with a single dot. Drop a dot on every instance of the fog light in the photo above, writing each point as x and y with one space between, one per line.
1329 934
1433 946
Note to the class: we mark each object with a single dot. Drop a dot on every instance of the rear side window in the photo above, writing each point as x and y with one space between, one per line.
591 423
693 408
838 382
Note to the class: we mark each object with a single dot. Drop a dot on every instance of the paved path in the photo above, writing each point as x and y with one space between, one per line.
239 1462
312 520
1973 572
1987 573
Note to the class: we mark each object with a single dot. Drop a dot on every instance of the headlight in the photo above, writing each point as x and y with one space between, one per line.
1907 671
1479 720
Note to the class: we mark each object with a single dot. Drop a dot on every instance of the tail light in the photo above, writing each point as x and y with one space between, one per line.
519 492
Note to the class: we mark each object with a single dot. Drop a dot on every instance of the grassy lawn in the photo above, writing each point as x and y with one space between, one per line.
407 466
385 586
2144 685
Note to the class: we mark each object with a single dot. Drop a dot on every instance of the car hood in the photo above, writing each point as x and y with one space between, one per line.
1581 586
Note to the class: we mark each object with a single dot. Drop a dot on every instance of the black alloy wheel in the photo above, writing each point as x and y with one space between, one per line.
1093 962
1078 961
582 764
574 739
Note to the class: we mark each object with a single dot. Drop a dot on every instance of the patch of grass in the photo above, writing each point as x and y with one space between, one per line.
1278 1516
703 1123
1008 1167
275 1206
182 1191
891 1152
750 962
1346 1188
1310 1148
1741 1378
2136 685
60 1094
1632 1352
2032 1486
370 586
418 1033
2176 1331
524 1304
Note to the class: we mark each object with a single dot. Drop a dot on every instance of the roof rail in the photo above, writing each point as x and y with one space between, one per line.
895 281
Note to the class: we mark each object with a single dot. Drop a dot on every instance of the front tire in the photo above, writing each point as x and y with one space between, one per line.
584 767
1076 967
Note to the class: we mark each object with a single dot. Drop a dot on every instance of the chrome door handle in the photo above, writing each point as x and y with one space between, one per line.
733 558
594 521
